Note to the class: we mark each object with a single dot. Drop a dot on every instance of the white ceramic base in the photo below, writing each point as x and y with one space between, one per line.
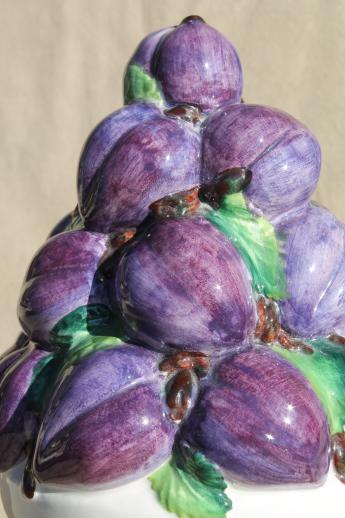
137 500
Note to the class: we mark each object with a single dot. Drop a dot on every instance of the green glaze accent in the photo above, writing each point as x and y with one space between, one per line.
325 371
140 86
255 239
85 330
190 486
77 222
43 382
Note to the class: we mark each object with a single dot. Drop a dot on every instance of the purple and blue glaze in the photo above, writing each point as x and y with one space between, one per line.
196 64
260 421
104 137
193 63
62 276
18 424
315 271
195 389
156 158
183 285
106 422
282 154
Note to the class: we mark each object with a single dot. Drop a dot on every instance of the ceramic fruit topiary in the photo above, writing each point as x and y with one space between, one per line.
184 325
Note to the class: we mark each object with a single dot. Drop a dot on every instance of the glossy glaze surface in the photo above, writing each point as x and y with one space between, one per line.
103 138
106 422
185 320
183 285
259 420
18 424
195 64
282 154
315 270
152 160
62 276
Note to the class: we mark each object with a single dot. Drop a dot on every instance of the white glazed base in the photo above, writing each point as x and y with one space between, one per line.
137 500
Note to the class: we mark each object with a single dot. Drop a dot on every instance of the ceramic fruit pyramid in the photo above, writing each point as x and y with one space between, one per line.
185 322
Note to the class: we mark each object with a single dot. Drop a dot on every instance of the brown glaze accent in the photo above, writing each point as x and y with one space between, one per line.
121 238
187 368
179 397
185 360
226 182
186 112
242 100
269 330
192 18
337 339
338 441
175 205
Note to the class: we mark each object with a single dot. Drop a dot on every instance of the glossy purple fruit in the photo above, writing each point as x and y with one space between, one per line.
196 64
259 419
183 285
282 154
62 276
106 422
156 158
315 270
103 138
18 425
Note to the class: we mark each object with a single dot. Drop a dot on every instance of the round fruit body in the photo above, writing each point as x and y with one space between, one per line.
194 64
283 155
315 271
183 285
103 138
18 424
106 422
63 275
260 421
155 158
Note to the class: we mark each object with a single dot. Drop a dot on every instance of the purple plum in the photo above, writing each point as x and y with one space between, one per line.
315 271
194 64
155 158
18 424
183 285
103 138
63 275
259 419
282 154
106 422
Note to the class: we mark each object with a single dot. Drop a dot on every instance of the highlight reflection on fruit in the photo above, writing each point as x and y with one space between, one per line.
186 320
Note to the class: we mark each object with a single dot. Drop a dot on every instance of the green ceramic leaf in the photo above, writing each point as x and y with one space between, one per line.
255 239
191 486
139 85
325 370
85 330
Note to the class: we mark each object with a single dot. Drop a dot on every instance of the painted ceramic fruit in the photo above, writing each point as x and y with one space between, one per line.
315 270
63 275
194 64
282 154
106 422
261 422
153 159
18 424
183 285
